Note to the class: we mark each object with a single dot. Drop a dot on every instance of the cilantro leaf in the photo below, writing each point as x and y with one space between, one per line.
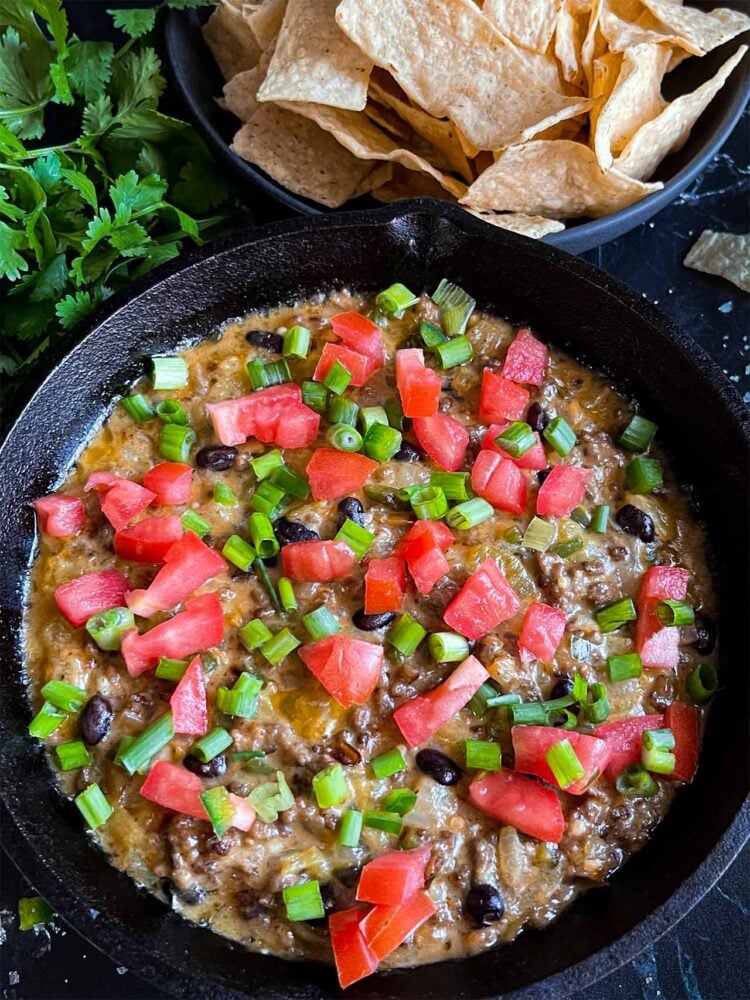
98 115
135 23
200 186
132 195
73 308
23 86
137 81
83 185
90 67
131 240
50 282
11 261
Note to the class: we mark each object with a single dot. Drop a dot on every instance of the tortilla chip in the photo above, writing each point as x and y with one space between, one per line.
725 254
453 63
240 94
231 41
300 156
388 120
559 180
625 23
635 99
606 70
266 20
534 226
594 44
700 30
570 31
670 131
410 184
529 23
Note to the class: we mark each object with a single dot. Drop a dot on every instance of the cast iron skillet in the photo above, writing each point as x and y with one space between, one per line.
576 307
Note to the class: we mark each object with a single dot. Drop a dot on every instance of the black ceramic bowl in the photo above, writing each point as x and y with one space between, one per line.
574 306
199 82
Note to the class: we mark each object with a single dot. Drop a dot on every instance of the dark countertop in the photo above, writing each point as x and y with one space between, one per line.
706 957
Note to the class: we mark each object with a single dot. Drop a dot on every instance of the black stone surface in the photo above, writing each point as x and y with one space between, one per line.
706 957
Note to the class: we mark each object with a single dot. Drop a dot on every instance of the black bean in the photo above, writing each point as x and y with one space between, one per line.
536 418
292 531
214 769
542 475
636 522
95 720
408 453
262 338
350 508
439 767
705 637
329 904
371 623
217 457
249 904
484 904
563 687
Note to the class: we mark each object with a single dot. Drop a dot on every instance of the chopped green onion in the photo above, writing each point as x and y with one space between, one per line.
639 434
387 495
431 335
350 828
343 411
642 475
533 713
344 437
635 783
171 670
389 822
224 496
455 485
600 518
569 548
93 806
614 615
248 754
170 411
406 635
303 901
395 300
320 623
560 435
211 745
538 535
658 739
562 718
219 807
108 627
580 687
381 442
448 647
624 666
282 644
72 755
315 395
265 464
264 374
148 744
503 700
479 702
46 721
175 442
657 755
555 704
671 612
469 514
290 482
702 683
358 539
33 911
192 521
169 373
513 536
456 306
482 755
337 378
286 594
400 801
268 498
66 697
395 413
581 516
596 709
564 764
241 700
429 503
239 553
388 763
516 439
262 574
370 415
329 786
297 342
254 634
271 798
454 352
261 533
137 407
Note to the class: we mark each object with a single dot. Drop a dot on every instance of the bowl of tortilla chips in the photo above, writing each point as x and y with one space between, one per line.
568 120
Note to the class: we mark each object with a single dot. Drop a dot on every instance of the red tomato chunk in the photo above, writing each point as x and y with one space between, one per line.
90 594
530 744
317 562
60 516
542 630
501 399
170 482
484 601
361 335
393 877
418 386
535 458
198 627
658 645
562 490
349 669
174 788
334 474
122 500
385 583
520 802
526 360
421 717
685 723
353 956
384 928
444 440
188 701
275 415
148 540
500 482
187 565
360 366
625 740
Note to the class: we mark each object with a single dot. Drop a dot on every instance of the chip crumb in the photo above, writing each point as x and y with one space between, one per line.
724 254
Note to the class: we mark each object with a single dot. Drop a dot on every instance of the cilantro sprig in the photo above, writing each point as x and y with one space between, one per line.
118 190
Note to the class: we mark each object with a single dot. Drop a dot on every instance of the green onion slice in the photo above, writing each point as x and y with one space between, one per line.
429 503
600 518
268 498
671 612
192 521
469 514
170 411
350 828
539 535
72 755
46 721
264 374
344 437
297 342
581 516
596 709
286 594
329 786
224 496
643 475
614 615
635 783
171 670
656 754
400 801
395 300
320 623
278 648
532 713
388 822
271 798
239 553
370 415
262 535
303 901
702 683
516 439
448 647
175 442
455 485
148 744
66 697
452 353
388 763
254 634
93 806
211 745
358 539
315 395
108 627
639 434
265 464
406 634
624 666
337 378
560 435
564 764
381 442
482 755
219 807
137 407
169 373
242 699
431 335
456 307
343 411
290 482
395 413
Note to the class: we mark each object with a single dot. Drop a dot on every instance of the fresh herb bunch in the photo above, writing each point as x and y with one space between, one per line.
116 193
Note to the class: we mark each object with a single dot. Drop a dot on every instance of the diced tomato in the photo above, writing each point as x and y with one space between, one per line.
530 744
148 540
170 481
198 627
520 802
333 474
353 957
122 499
685 723
625 739
361 335
349 669
174 788
535 458
444 439
499 481
359 365
187 565
317 562
384 928
275 415
385 582
418 386
60 516
500 399
393 877
87 595
542 629
298 428
484 601
188 701
425 535
657 644
428 569
526 360
421 717
562 490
